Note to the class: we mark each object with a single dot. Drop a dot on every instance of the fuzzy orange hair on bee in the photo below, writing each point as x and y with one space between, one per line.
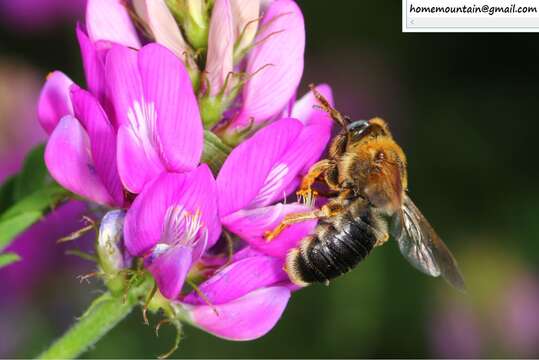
366 179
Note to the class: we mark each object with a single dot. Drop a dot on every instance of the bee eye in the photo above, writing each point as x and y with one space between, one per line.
357 126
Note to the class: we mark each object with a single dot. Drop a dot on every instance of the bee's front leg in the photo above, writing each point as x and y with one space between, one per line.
315 172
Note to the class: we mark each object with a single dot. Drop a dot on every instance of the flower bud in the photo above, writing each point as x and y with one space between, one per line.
219 64
246 17
165 31
110 247
192 15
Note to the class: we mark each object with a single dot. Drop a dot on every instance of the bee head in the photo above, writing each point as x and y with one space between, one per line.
359 129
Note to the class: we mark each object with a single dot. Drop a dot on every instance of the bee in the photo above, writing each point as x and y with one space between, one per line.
366 178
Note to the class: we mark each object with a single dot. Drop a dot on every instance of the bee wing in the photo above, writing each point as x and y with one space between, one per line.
422 247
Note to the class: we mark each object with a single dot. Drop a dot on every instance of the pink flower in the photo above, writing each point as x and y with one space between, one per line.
162 25
139 119
109 20
275 65
246 298
159 126
78 153
271 164
171 223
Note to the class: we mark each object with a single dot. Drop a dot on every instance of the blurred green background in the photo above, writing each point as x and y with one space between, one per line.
464 108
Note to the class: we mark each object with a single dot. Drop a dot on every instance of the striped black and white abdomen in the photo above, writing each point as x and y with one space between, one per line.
337 245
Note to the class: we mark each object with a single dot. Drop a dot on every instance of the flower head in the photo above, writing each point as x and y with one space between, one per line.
145 113
170 225
242 301
135 140
272 161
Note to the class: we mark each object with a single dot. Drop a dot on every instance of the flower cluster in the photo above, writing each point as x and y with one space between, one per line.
163 76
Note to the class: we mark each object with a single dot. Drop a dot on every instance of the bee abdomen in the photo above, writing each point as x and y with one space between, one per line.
337 246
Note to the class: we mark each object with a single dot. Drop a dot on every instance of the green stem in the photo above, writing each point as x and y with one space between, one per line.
103 315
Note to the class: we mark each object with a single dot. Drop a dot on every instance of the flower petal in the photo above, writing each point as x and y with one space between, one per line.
246 318
167 84
268 91
220 60
305 108
139 158
251 225
301 154
247 167
193 191
123 80
68 158
162 25
102 138
109 20
170 269
134 168
238 279
54 101
93 60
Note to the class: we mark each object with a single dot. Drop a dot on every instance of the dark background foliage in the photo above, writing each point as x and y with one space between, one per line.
464 108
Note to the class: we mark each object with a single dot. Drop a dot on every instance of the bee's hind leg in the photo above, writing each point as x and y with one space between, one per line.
328 210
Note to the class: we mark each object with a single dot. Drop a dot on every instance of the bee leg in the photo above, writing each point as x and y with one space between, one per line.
325 105
327 210
289 220
314 173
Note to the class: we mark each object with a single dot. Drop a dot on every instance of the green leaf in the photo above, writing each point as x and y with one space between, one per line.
27 196
34 174
26 212
40 201
6 193
215 151
13 226
8 258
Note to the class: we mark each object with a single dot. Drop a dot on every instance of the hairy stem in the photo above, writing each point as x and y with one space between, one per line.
104 314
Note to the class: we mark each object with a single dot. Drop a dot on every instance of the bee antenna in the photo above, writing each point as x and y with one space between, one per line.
326 106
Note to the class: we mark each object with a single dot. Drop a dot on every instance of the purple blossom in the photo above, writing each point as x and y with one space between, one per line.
138 130
162 25
246 298
144 114
108 20
171 223
272 163
156 112
241 49
220 61
277 60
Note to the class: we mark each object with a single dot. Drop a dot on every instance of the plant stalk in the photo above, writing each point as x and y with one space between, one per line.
103 315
